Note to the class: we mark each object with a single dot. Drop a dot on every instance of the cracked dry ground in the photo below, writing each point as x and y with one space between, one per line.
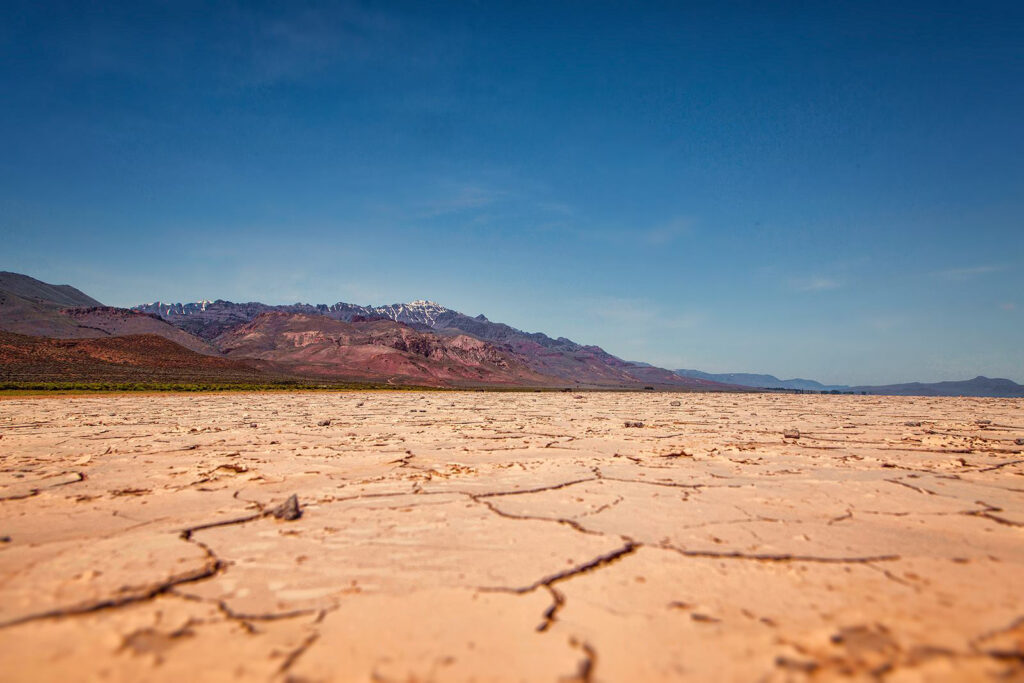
528 536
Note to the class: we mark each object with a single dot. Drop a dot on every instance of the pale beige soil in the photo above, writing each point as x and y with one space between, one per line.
482 536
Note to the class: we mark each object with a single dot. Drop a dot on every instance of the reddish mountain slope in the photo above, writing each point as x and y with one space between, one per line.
129 358
27 316
374 349
29 306
31 289
116 322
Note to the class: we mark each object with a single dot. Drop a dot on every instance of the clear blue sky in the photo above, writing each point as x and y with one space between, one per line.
828 190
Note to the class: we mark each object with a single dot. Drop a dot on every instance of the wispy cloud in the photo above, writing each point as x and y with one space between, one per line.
462 198
255 46
666 233
967 273
656 235
815 284
637 329
556 208
638 315
287 47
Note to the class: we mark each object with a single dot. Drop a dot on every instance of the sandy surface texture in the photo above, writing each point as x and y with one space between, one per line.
526 536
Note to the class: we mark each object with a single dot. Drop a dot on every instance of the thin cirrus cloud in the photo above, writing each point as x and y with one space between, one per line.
658 235
666 233
637 313
462 198
815 284
968 273
312 46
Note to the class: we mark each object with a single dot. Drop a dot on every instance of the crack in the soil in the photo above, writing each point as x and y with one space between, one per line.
975 643
279 511
294 655
606 506
585 670
573 524
988 513
598 562
911 487
211 567
36 491
892 577
1002 464
673 484
539 489
843 517
551 613
245 619
779 557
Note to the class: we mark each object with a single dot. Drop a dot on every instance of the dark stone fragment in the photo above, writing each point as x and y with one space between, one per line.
704 618
288 510
323 423
804 666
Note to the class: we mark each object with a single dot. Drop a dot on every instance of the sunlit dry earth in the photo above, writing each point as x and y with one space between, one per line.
526 536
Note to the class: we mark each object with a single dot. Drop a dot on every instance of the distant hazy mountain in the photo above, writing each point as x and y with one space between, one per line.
746 379
979 386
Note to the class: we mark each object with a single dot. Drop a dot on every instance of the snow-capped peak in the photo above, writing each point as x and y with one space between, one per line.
420 311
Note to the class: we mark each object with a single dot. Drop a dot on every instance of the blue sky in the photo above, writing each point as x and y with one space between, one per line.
827 190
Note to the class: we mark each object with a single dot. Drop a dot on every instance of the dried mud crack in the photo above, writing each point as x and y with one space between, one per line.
127 596
431 536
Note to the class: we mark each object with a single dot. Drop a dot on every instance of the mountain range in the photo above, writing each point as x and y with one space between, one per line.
54 331
551 361
978 386
748 379
58 332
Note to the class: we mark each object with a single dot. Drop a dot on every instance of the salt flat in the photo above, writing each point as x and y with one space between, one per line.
511 536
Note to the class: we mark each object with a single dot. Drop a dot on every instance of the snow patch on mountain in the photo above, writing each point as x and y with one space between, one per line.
419 312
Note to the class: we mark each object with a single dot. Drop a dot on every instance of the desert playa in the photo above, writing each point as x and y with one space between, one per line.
511 536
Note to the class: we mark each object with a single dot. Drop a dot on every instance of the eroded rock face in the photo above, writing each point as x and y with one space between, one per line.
375 350
460 536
